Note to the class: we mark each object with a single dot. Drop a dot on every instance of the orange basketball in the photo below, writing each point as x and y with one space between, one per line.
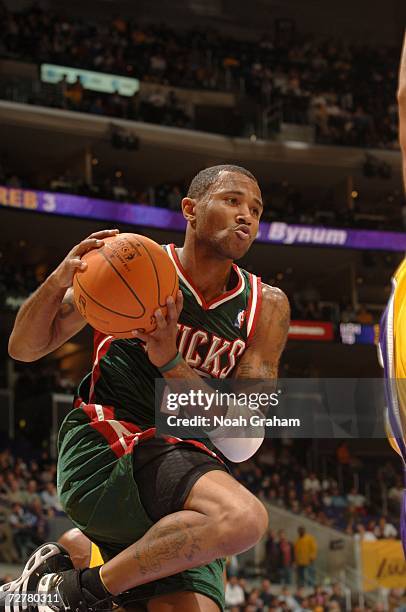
125 281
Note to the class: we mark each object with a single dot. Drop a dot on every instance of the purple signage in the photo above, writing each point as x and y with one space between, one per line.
149 216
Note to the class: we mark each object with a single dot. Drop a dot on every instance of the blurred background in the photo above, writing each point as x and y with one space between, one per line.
107 110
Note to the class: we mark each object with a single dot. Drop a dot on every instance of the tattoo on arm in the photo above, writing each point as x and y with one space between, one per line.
269 369
245 370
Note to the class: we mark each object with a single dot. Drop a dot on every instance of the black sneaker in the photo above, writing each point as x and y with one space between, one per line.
65 592
49 583
22 594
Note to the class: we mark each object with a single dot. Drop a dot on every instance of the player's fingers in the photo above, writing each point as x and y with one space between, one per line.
104 233
77 263
179 302
87 245
172 311
160 319
141 335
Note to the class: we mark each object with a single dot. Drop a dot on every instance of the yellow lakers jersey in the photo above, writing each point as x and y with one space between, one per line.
95 556
393 355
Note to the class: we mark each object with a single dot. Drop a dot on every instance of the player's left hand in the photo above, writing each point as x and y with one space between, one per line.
161 343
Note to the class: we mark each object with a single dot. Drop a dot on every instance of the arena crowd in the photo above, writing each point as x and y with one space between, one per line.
346 91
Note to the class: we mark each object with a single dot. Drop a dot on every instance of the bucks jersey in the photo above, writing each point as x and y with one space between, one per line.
212 337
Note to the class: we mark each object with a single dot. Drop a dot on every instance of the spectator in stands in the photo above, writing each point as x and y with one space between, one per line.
364 316
234 593
311 484
287 599
22 523
305 556
356 500
385 529
364 535
31 495
40 526
338 500
337 596
15 494
8 552
395 493
348 314
286 559
266 594
175 198
254 601
272 555
50 499
74 94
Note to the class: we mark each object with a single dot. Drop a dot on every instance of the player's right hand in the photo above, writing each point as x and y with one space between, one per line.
64 273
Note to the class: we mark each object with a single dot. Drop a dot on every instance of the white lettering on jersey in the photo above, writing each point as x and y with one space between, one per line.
237 349
183 336
192 357
212 362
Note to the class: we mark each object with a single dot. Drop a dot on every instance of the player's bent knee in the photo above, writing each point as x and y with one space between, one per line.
236 518
252 521
243 526
261 518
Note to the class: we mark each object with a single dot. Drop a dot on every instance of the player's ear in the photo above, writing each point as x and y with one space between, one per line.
189 210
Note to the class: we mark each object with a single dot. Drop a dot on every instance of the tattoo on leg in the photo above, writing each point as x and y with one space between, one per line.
165 543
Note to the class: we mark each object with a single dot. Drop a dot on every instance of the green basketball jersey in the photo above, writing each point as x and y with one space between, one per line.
212 337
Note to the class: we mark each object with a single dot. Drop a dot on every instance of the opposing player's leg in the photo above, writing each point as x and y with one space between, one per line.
78 546
84 553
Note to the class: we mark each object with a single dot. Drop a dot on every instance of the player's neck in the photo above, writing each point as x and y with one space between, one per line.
210 275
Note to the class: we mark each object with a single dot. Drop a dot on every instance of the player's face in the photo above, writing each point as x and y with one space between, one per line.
228 217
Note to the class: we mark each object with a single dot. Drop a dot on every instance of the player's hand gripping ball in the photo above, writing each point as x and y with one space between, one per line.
125 281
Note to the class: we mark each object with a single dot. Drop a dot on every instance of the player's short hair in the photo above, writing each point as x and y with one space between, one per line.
205 178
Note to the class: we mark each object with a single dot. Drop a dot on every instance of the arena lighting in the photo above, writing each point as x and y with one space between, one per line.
90 79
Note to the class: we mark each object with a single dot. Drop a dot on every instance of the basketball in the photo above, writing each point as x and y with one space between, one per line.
125 281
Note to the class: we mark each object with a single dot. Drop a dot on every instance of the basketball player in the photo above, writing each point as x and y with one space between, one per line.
84 553
392 342
164 512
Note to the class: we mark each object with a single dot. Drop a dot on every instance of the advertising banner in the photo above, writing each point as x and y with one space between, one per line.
162 218
383 565
311 330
